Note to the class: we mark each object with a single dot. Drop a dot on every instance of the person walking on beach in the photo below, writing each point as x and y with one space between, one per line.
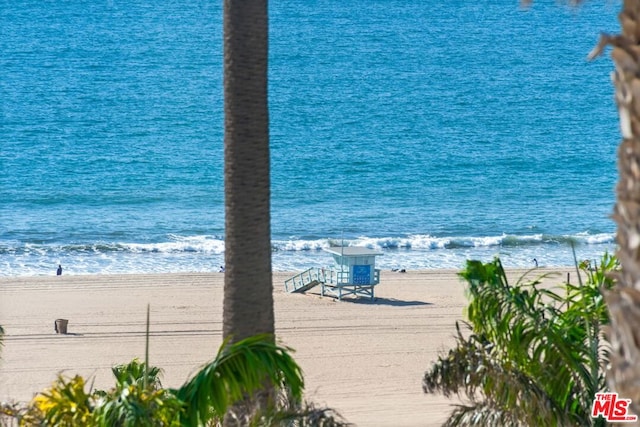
59 272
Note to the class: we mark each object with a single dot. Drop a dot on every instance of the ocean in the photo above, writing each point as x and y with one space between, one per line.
433 131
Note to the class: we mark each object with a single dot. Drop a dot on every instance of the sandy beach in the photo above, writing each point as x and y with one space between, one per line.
364 358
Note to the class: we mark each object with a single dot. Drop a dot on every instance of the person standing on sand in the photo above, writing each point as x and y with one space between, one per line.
59 272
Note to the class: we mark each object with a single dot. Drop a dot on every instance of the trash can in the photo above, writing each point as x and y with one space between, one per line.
60 326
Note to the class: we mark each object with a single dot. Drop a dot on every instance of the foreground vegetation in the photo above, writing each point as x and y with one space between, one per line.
529 355
215 393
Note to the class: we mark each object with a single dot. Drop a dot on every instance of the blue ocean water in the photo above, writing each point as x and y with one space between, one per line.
435 132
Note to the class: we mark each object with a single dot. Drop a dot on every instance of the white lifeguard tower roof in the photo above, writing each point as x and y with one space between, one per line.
352 251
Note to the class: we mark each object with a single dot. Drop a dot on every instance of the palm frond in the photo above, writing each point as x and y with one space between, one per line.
239 370
473 369
533 354
291 414
135 405
134 372
480 414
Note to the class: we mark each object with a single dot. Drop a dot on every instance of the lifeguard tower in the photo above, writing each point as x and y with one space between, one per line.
353 273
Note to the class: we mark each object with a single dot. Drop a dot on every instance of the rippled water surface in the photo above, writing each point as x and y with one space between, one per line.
433 132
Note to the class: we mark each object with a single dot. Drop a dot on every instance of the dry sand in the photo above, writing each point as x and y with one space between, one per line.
364 358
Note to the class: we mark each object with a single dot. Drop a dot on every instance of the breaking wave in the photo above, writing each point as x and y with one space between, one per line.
215 244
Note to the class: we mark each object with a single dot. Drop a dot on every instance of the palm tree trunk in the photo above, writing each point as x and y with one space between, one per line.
624 300
248 289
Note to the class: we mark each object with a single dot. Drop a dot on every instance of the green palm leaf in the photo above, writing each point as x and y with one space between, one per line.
472 368
533 356
300 415
239 370
134 372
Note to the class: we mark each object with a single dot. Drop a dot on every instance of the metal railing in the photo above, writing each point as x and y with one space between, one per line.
321 275
302 280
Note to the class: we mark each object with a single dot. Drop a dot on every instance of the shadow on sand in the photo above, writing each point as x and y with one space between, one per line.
385 301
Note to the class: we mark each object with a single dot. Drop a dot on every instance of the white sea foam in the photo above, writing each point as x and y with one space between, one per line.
594 239
300 245
206 253
197 244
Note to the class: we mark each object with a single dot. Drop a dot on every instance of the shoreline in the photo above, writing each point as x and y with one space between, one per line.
363 358
276 274
202 258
